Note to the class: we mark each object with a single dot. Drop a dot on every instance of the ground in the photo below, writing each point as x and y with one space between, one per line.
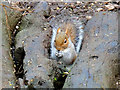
31 29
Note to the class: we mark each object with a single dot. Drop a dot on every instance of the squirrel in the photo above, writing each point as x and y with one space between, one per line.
63 43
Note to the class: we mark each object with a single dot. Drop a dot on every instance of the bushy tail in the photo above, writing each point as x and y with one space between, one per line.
80 38
53 49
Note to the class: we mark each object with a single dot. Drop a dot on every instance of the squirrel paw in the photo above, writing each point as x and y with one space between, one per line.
59 54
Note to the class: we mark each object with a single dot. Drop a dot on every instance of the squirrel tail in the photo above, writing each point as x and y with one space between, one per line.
80 39
53 50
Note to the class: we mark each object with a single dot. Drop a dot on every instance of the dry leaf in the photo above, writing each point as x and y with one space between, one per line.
110 6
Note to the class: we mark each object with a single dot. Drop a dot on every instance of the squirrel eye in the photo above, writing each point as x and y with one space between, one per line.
65 41
60 30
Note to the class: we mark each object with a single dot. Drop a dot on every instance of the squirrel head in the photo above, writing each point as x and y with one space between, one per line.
61 39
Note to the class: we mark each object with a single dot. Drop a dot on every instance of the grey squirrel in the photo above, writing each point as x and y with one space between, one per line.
63 43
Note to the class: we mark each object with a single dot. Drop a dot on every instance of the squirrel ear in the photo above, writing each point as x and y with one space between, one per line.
66 31
58 30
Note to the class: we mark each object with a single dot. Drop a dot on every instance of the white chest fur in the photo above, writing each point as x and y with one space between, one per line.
68 54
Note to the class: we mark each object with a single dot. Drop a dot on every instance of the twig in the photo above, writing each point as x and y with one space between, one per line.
18 9
13 8
7 25
7 20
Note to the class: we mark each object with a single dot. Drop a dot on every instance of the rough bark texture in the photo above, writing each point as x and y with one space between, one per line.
97 64
8 77
37 67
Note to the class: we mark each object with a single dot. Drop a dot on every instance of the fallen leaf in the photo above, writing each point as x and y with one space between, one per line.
99 9
110 6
